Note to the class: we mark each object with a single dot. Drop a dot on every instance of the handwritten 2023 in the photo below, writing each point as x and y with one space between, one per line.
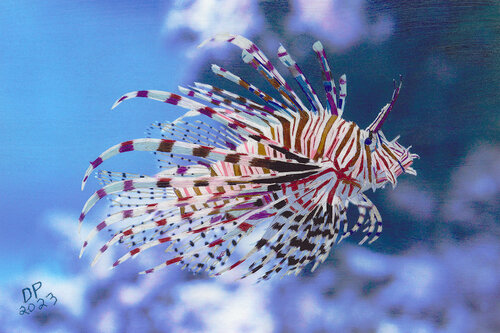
40 301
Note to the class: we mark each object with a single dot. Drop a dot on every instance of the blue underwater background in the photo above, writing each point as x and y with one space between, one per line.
436 267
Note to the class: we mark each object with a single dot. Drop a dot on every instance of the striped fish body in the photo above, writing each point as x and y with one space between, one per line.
276 167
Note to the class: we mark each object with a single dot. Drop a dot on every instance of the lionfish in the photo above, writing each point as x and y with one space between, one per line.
290 168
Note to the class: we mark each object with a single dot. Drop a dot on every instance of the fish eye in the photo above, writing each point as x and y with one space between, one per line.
368 140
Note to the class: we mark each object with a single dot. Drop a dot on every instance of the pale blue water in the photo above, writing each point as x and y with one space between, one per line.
436 267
